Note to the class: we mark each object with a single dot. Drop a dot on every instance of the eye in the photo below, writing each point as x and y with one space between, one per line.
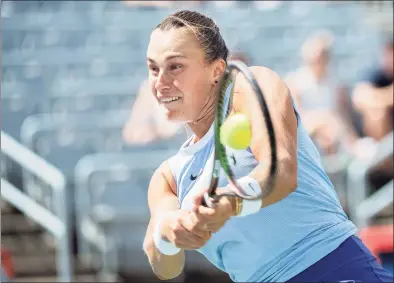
175 67
153 69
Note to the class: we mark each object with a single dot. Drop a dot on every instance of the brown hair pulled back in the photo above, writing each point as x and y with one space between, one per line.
205 30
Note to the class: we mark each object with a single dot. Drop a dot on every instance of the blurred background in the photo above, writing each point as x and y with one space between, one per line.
81 134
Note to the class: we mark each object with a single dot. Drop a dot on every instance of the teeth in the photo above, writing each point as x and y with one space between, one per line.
169 99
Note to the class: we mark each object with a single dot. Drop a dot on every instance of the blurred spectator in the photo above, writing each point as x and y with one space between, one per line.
240 56
373 97
147 123
319 97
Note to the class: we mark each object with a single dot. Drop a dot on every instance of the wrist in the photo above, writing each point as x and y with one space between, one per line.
161 242
247 207
235 205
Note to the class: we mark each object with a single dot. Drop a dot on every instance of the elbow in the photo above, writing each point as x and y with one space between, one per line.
167 276
164 267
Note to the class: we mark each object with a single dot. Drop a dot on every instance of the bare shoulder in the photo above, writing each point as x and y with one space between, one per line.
273 86
267 78
163 176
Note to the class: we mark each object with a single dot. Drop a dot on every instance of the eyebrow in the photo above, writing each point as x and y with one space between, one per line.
168 57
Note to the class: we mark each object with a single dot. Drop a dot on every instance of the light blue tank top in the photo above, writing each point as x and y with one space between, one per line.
281 240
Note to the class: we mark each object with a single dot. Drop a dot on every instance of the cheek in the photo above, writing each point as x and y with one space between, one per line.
152 83
193 87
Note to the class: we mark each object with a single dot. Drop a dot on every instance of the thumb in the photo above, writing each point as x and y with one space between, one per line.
198 199
196 202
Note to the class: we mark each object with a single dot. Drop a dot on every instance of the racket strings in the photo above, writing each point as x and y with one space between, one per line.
221 160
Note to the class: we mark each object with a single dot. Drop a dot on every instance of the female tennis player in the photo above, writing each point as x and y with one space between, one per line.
297 232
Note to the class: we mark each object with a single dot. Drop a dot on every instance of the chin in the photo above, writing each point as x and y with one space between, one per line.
171 116
175 116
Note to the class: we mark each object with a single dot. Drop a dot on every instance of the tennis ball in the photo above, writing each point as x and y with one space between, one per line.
236 132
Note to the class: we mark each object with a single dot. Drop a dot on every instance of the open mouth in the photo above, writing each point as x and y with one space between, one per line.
166 100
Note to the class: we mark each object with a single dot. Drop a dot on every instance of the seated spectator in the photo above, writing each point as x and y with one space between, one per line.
147 123
319 97
373 99
240 56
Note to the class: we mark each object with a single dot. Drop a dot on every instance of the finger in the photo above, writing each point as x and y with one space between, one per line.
190 240
188 246
196 234
195 242
213 228
191 224
199 198
206 212
202 223
197 201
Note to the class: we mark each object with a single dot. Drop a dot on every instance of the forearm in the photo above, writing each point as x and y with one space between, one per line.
285 180
382 97
388 96
367 96
165 267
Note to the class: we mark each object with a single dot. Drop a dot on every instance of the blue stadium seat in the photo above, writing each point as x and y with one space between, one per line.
117 181
96 86
64 139
82 102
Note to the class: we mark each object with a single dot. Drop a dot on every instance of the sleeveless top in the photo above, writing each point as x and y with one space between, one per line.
282 239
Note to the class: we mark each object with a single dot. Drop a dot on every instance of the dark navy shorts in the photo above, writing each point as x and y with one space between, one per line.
350 262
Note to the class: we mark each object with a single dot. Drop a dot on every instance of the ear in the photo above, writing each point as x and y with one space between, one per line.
219 66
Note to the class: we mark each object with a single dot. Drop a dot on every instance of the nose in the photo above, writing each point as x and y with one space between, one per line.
163 82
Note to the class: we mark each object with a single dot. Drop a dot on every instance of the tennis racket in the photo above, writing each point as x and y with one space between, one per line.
220 156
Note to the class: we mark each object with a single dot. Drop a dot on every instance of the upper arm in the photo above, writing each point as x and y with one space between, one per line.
161 197
278 99
161 191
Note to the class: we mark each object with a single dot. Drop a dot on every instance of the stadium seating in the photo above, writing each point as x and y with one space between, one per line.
72 69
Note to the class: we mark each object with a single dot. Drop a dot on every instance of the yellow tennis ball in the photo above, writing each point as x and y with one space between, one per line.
236 132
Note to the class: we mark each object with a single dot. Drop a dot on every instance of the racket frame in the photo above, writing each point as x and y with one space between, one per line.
220 156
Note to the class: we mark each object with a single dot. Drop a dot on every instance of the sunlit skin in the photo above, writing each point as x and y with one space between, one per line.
178 70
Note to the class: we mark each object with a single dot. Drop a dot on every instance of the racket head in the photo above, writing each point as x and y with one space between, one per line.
220 157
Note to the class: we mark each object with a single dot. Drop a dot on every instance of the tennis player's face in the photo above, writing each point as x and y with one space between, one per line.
179 77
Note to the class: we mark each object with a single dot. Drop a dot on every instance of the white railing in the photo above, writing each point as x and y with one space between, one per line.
358 187
374 204
57 223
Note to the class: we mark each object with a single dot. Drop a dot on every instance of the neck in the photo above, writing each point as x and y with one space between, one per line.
201 128
204 120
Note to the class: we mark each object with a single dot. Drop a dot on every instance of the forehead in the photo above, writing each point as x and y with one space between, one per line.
165 42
